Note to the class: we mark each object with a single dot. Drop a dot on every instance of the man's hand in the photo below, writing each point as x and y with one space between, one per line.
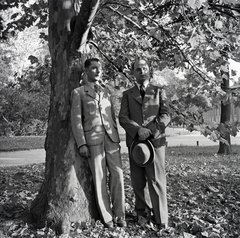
144 133
84 151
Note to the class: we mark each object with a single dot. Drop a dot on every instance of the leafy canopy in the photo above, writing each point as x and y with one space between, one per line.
194 36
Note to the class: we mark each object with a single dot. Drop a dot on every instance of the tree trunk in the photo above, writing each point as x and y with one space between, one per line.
225 114
67 193
225 117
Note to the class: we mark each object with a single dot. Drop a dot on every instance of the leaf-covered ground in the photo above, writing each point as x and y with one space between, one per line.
203 197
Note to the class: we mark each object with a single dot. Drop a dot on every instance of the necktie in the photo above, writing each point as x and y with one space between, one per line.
142 91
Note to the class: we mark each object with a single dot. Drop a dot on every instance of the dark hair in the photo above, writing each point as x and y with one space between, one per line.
89 61
133 64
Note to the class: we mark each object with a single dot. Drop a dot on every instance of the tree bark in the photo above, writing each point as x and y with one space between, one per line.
67 193
225 115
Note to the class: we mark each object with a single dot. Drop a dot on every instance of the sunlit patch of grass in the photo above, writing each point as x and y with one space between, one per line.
37 142
21 143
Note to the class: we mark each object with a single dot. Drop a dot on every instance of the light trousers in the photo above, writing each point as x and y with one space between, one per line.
104 158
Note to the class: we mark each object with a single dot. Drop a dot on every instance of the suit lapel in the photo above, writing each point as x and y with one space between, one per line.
136 94
90 91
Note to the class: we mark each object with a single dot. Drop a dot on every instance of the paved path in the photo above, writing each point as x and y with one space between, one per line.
192 139
38 156
22 157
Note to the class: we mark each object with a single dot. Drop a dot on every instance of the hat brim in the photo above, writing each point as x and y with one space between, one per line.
150 147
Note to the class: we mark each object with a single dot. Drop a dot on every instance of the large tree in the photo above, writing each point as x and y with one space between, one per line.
66 194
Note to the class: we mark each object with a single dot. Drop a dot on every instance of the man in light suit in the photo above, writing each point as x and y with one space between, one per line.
145 117
95 131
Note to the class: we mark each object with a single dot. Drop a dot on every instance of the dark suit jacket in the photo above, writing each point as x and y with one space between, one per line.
92 116
152 112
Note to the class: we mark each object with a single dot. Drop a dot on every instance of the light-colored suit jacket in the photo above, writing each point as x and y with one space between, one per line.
92 115
152 112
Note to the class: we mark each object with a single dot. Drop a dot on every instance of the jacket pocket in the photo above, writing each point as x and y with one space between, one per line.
95 135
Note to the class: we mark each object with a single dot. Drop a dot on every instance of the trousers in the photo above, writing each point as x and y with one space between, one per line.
106 158
149 185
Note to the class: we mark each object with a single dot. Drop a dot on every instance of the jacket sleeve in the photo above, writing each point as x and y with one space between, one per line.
161 121
76 118
164 117
130 126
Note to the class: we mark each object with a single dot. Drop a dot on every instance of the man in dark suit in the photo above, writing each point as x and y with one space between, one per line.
95 131
144 114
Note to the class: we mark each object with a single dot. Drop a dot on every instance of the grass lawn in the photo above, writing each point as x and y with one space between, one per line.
21 143
37 142
203 197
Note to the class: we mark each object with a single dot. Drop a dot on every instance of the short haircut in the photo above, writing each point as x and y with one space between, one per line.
89 61
133 64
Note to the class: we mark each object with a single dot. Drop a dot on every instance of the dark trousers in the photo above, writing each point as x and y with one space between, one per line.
149 185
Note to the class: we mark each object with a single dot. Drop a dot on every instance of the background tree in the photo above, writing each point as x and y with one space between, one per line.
24 84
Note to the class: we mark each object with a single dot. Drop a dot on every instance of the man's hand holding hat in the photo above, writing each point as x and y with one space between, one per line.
144 133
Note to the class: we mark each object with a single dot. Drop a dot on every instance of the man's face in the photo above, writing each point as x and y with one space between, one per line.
94 72
141 71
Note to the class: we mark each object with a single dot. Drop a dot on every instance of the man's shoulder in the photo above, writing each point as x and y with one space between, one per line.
130 89
78 90
155 85
159 89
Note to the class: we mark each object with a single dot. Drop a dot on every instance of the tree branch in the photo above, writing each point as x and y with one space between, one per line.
83 23
175 43
224 12
117 68
217 6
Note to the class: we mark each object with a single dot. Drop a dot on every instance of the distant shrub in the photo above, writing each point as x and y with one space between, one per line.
23 112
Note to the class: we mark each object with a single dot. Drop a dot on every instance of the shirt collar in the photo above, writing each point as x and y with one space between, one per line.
145 84
92 84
